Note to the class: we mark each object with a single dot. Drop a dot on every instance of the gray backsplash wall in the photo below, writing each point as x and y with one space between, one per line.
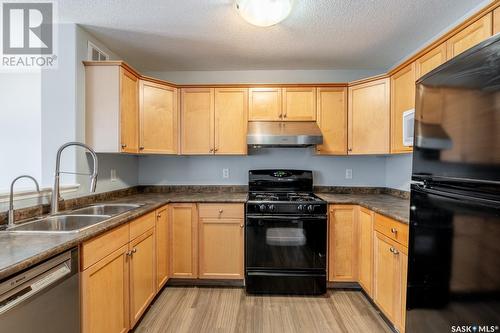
328 170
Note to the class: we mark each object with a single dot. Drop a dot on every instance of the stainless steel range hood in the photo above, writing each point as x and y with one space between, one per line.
283 134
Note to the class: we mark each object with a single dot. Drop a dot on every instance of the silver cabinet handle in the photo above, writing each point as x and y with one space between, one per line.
393 250
394 230
128 253
134 250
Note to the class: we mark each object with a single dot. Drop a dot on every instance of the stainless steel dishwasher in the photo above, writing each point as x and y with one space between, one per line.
44 298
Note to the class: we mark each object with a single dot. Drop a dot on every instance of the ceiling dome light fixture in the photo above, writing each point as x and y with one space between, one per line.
264 13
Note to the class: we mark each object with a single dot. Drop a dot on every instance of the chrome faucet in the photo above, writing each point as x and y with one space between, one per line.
11 198
93 176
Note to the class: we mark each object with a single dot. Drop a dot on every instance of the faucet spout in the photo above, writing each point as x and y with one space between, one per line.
11 197
93 175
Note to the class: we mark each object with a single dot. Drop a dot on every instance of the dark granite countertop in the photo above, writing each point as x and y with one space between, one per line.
19 251
385 204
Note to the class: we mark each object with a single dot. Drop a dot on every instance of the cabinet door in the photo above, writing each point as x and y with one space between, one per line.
221 248
470 36
369 110
129 112
197 121
332 120
365 255
342 260
299 104
385 277
142 278
402 99
184 241
430 60
231 119
162 247
105 294
264 104
158 115
496 21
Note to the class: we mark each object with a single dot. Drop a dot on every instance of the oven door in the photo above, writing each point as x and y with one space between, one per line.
285 243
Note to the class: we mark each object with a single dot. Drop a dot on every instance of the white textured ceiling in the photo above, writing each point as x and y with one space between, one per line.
161 35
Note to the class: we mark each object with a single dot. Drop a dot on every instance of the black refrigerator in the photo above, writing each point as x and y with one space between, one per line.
454 242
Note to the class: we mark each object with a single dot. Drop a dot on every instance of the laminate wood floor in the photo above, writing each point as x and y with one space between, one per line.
231 310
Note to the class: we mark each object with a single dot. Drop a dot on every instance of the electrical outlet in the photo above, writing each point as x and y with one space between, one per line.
225 173
348 173
113 175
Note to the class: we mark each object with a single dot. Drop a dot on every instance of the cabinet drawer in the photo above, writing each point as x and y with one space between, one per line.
221 211
142 224
391 228
99 247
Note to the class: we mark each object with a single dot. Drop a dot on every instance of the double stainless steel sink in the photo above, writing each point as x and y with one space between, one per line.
74 221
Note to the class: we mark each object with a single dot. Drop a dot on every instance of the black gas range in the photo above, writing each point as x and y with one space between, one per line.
285 234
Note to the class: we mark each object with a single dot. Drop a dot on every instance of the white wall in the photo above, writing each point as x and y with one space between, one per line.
398 171
20 132
264 76
207 170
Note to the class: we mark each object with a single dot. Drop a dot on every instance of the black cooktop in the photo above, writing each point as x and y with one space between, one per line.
282 197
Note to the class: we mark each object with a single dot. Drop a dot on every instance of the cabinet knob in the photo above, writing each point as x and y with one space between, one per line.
211 150
141 148
241 226
216 149
128 253
393 250
284 116
221 210
394 230
134 250
350 149
124 145
158 216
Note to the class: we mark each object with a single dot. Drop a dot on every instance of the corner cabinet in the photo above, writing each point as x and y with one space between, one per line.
431 60
214 121
125 114
402 99
162 247
496 21
332 120
158 118
365 254
368 117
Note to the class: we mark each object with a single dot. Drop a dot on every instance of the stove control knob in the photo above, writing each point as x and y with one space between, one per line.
300 208
262 208
271 208
310 208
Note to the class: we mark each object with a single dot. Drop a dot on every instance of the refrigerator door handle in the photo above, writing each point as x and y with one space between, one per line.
468 199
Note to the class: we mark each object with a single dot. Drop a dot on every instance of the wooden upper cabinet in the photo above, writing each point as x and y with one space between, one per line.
231 119
129 112
299 104
402 99
105 294
365 254
142 279
332 120
369 117
197 122
264 104
496 20
183 228
158 118
342 247
162 245
221 241
431 60
470 36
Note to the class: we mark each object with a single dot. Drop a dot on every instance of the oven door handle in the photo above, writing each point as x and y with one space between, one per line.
283 217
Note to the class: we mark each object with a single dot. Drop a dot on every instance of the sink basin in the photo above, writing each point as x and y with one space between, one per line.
104 209
60 224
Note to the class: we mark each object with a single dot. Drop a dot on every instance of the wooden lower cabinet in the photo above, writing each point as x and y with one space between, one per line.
221 241
365 254
162 247
342 244
183 241
142 279
389 287
105 294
